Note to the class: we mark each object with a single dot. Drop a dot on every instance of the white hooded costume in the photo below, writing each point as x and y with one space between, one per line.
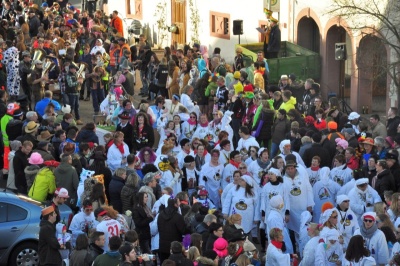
276 220
300 196
363 201
324 190
347 221
247 206
210 178
326 253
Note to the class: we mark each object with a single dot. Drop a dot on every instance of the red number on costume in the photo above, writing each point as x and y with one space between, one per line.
113 230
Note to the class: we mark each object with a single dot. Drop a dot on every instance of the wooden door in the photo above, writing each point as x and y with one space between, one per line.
178 17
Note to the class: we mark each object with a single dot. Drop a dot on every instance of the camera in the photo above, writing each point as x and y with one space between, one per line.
163 108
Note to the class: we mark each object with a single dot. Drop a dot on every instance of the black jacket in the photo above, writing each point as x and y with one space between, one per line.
48 244
95 250
87 136
274 43
14 129
171 227
128 194
210 241
316 149
180 260
391 126
395 170
115 188
146 139
384 181
128 134
142 223
20 162
266 130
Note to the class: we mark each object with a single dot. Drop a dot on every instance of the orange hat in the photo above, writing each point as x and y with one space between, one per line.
369 141
47 210
332 125
326 206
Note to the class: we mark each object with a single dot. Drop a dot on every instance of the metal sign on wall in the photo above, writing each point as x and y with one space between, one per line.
275 5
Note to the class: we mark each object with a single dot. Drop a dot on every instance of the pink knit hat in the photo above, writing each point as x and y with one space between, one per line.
342 143
221 247
35 158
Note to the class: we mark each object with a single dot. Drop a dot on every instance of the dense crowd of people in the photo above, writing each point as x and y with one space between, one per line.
212 162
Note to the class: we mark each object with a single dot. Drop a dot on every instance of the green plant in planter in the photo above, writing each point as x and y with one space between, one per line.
161 14
195 20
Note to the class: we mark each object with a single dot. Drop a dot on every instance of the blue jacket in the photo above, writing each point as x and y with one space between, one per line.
41 105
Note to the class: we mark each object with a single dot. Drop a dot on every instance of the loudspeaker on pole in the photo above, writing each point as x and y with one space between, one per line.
340 51
237 27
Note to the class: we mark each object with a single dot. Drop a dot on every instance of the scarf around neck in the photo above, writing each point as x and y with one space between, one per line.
262 164
192 123
120 148
368 233
234 163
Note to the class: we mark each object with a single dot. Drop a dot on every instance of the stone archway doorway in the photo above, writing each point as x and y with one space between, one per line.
372 72
308 35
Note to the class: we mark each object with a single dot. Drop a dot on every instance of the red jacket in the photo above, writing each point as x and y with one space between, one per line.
117 24
353 163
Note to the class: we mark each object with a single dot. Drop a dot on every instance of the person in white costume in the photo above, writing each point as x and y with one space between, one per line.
246 140
340 173
308 255
347 220
275 219
161 159
165 128
172 177
394 209
315 172
286 148
259 167
362 198
236 176
210 177
189 126
203 130
304 228
172 106
396 246
275 255
83 222
274 187
185 151
221 122
117 153
243 200
329 252
374 238
187 101
226 149
108 226
356 254
324 190
230 168
300 194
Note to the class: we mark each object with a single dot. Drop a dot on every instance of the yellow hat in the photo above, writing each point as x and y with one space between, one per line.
47 210
236 75
267 12
273 19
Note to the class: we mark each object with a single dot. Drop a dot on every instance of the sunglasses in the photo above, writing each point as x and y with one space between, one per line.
368 221
346 201
192 117
244 167
88 209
